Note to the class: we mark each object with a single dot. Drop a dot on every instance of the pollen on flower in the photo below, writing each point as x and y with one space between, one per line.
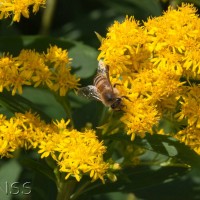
81 153
19 7
190 136
139 118
153 66
61 124
50 70
57 56
76 153
17 132
190 106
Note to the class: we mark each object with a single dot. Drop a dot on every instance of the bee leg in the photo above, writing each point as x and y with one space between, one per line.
125 97
116 84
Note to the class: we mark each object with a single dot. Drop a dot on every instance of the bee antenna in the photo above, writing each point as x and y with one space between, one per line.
125 97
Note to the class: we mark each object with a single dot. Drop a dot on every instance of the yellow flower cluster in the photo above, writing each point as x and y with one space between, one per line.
190 111
76 153
16 8
150 62
49 69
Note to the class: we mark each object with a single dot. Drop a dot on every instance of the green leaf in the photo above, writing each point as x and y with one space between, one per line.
196 2
84 57
150 7
37 165
100 38
139 177
88 113
43 181
184 153
152 172
18 103
45 101
39 43
84 60
40 173
139 9
9 174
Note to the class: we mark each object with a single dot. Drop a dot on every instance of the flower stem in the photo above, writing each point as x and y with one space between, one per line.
79 191
47 17
66 105
66 189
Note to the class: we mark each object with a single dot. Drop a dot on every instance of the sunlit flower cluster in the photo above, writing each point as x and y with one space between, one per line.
76 153
153 64
16 8
190 112
20 131
51 70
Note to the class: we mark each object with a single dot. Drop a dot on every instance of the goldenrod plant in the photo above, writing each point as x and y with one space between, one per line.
82 149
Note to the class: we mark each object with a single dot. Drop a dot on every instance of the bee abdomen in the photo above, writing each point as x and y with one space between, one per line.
101 83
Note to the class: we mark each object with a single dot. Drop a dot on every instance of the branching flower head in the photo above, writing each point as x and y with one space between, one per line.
191 137
148 62
190 106
16 8
76 153
51 70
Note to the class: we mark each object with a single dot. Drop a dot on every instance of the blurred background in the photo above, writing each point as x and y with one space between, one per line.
78 19
72 25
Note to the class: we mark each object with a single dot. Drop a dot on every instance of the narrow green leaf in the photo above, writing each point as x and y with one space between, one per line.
100 38
18 103
184 153
38 166
133 179
39 43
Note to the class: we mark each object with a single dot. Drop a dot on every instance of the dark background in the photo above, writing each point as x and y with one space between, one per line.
76 21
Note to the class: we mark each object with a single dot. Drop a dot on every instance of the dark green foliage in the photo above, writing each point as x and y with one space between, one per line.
169 170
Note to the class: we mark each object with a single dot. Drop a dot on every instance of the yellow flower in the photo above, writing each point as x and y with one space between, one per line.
47 148
7 66
76 153
62 78
49 70
140 116
13 134
61 125
57 56
191 137
5 149
190 106
149 63
173 40
17 8
33 65
81 153
121 49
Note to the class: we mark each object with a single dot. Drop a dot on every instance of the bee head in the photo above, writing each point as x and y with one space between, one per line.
117 104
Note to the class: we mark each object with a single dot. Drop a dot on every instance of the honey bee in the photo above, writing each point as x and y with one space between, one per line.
102 89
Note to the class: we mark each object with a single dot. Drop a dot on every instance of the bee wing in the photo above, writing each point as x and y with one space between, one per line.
89 92
102 68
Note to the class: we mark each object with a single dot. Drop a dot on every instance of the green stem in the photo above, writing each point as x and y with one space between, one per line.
79 191
104 115
47 17
66 189
66 105
174 4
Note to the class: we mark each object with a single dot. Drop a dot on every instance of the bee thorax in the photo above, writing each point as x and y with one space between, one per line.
109 97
